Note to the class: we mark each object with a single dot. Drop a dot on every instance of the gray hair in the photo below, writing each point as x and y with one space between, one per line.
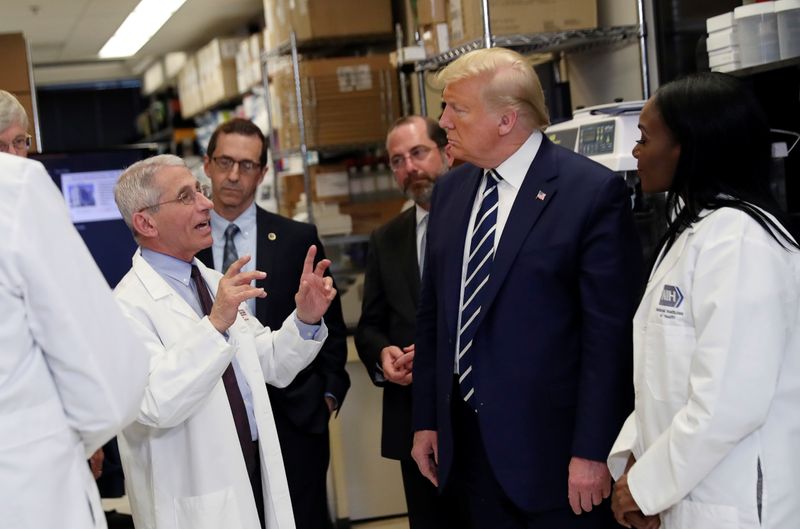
11 111
511 82
135 190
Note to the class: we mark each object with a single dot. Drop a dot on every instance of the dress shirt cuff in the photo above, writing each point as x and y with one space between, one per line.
335 400
307 331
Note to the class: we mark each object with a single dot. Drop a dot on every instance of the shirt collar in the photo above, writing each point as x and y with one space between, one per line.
515 167
166 265
246 222
421 214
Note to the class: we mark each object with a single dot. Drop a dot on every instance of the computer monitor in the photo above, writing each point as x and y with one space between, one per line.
86 180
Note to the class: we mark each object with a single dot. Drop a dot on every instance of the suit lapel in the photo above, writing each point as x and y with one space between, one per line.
537 191
459 207
410 264
266 248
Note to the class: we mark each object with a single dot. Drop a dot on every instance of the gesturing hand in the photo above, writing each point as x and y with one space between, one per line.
316 291
589 484
233 289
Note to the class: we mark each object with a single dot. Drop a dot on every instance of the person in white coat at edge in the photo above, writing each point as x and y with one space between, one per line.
713 439
72 372
186 457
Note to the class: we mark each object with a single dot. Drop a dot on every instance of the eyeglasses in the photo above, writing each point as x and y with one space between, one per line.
186 197
226 163
20 143
418 154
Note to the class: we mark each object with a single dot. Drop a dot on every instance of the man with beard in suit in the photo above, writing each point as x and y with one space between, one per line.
385 335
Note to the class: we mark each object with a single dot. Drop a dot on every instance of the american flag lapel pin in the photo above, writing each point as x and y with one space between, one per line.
541 195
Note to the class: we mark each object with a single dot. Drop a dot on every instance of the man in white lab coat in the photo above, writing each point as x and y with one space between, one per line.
183 457
71 369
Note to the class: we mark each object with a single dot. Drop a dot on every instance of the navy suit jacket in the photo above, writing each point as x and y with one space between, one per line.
553 349
281 257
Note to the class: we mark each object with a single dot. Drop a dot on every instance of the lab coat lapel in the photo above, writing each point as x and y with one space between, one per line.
667 262
462 200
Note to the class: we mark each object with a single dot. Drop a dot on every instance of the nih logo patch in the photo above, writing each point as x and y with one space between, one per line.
671 297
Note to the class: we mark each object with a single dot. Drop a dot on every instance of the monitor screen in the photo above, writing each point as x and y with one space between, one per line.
86 180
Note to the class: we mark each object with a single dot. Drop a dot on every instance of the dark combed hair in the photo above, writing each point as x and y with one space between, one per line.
245 127
725 153
436 133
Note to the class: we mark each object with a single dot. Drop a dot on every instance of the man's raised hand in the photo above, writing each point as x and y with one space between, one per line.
316 291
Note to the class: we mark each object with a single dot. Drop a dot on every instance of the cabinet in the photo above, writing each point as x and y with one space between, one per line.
776 85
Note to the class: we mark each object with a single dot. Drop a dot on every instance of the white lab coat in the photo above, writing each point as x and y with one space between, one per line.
717 381
71 370
182 459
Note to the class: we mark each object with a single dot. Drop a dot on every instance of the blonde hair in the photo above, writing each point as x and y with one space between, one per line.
134 189
11 111
511 82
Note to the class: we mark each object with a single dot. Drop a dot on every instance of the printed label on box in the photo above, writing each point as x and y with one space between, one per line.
354 78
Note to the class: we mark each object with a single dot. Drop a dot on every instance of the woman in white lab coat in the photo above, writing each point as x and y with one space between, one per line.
714 440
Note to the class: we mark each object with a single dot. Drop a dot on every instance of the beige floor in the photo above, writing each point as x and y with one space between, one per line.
121 505
394 523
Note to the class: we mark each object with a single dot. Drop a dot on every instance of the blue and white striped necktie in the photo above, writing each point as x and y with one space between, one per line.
479 267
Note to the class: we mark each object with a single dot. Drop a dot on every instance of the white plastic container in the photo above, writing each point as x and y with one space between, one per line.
757 29
726 38
788 15
720 22
721 57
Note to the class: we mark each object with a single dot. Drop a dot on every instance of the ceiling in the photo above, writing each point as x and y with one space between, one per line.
65 35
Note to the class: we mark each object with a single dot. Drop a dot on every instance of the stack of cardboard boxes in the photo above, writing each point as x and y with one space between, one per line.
346 101
446 24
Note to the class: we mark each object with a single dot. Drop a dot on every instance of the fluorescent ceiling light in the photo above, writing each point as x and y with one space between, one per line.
142 23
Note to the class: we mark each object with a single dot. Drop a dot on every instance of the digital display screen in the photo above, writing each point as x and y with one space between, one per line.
87 180
565 138
597 138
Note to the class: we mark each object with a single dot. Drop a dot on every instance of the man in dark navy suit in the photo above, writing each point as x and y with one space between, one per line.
522 373
236 162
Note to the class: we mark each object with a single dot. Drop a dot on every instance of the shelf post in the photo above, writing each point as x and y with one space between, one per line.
298 91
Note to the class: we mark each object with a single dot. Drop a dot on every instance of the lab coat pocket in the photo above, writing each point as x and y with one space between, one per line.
668 358
695 515
209 511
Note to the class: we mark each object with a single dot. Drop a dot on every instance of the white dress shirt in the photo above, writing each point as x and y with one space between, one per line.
512 171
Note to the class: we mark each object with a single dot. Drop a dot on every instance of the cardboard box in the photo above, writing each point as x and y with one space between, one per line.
510 17
367 216
14 73
189 89
346 101
435 38
431 11
216 68
321 19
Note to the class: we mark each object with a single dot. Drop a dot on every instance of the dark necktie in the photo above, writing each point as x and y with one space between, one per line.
229 253
479 267
231 387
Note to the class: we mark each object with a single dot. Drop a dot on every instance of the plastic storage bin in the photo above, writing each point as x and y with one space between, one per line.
788 15
757 28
